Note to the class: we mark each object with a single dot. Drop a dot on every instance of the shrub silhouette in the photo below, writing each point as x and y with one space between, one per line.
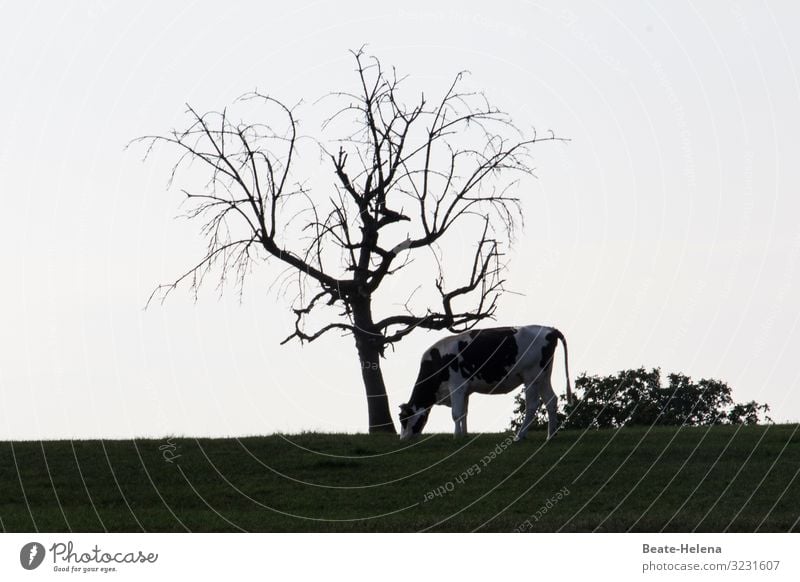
637 397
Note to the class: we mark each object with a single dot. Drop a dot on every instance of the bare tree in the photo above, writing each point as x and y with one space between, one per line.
404 177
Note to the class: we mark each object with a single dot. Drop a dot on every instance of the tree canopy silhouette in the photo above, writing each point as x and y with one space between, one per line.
637 397
404 177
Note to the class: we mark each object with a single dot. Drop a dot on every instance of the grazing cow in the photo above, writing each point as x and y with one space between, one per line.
487 361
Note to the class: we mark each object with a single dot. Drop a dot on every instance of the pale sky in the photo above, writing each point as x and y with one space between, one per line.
665 233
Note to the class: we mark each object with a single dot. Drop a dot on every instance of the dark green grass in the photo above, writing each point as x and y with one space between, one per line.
716 479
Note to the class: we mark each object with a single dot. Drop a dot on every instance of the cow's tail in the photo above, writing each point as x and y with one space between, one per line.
560 336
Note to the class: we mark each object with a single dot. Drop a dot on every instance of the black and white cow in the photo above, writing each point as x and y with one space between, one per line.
487 361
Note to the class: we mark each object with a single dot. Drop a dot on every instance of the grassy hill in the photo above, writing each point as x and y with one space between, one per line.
703 479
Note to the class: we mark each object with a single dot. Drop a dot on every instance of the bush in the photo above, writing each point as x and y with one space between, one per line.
636 397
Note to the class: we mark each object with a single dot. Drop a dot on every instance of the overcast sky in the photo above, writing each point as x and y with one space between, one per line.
664 234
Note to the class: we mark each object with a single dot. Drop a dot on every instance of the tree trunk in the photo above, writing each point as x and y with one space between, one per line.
368 345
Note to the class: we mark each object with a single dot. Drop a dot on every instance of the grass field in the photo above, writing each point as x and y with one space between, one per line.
718 479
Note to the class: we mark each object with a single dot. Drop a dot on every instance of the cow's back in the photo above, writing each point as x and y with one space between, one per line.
484 361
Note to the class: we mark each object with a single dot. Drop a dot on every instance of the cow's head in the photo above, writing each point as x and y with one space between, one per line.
412 420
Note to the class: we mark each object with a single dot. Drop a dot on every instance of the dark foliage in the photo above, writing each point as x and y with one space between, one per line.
637 397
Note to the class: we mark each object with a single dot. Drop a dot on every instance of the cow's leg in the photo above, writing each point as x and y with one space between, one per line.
531 406
464 418
458 399
551 403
